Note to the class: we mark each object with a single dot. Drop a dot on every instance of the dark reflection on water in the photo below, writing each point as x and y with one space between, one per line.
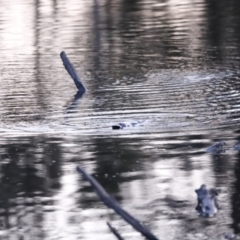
235 200
172 63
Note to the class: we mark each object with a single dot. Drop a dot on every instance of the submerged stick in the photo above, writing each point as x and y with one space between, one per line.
111 203
114 231
75 102
72 72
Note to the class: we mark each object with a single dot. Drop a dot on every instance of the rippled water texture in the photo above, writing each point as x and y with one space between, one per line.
175 65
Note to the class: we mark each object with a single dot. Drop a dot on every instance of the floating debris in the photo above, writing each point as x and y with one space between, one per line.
217 148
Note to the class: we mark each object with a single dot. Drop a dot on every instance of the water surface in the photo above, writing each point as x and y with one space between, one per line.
173 64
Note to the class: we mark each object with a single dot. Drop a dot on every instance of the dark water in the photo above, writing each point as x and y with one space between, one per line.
174 64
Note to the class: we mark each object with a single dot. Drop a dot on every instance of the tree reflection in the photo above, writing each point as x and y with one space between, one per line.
114 160
236 197
31 166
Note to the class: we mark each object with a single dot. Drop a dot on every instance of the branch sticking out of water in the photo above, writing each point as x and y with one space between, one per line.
72 72
111 203
114 231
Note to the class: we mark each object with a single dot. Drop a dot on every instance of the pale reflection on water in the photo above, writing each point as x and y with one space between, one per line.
173 64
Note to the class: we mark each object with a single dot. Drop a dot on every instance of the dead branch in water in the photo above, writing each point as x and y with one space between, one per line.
111 203
114 231
72 72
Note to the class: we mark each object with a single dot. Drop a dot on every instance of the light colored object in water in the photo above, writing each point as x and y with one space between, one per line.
207 201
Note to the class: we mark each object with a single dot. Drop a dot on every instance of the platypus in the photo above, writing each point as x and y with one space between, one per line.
207 201
123 125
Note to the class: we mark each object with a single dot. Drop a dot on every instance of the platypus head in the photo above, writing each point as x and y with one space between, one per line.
207 201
